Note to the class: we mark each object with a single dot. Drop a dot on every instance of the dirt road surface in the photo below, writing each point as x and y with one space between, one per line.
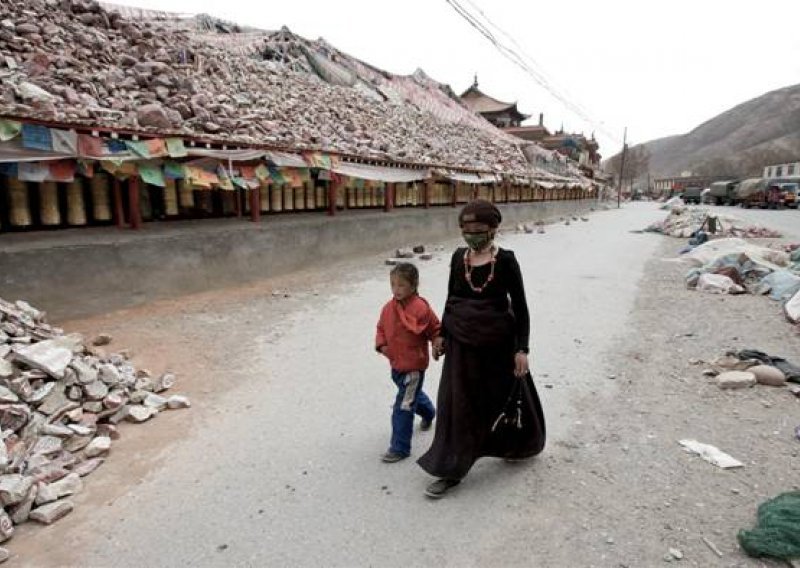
277 462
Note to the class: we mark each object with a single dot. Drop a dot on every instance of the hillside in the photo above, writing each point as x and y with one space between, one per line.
738 142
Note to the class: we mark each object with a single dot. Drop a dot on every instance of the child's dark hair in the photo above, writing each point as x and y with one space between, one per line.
407 272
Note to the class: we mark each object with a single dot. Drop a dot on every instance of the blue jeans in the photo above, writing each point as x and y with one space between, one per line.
410 401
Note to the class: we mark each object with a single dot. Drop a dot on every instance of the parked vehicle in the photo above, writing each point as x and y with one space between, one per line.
722 192
705 196
692 195
752 192
790 192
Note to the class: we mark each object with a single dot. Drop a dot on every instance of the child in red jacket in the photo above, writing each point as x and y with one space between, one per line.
406 326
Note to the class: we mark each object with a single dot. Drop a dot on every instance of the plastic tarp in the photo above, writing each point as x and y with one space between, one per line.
792 308
285 159
14 151
782 284
713 250
467 177
718 284
246 155
380 173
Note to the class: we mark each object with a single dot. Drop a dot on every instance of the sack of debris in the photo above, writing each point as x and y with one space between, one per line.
718 284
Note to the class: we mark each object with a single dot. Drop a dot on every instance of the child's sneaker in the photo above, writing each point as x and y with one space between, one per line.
426 425
391 457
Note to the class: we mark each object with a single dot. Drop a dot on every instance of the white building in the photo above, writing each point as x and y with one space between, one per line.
790 170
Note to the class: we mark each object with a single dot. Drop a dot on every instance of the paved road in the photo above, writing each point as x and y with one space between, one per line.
283 470
785 220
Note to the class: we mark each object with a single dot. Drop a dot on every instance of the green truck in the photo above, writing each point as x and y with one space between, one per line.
723 192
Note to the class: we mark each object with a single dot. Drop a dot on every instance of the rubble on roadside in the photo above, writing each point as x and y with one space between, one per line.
683 222
749 367
61 400
408 254
734 266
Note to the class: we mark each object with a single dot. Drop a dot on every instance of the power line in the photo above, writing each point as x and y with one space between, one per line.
524 61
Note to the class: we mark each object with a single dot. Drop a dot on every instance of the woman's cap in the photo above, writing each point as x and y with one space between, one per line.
480 211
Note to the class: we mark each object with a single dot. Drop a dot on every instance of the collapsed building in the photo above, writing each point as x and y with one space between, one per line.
110 114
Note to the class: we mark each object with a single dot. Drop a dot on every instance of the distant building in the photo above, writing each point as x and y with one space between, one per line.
790 170
535 133
582 150
499 113
669 185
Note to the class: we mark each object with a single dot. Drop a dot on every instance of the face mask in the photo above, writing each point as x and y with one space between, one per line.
477 241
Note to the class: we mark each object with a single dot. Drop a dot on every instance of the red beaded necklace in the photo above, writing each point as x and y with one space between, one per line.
468 271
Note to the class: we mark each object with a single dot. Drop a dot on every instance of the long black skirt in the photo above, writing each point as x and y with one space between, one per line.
473 391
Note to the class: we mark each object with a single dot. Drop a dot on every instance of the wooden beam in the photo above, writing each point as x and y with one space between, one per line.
255 205
389 198
119 211
133 203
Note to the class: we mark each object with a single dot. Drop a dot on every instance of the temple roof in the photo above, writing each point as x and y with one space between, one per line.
480 102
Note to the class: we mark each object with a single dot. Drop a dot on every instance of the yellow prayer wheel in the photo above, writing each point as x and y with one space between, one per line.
276 197
288 198
48 204
299 198
321 193
185 193
308 189
413 195
101 197
76 207
264 198
402 193
170 198
20 213
360 194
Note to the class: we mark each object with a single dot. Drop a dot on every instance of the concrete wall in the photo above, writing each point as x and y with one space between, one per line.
89 271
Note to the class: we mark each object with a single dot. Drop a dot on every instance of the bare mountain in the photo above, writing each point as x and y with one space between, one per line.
737 142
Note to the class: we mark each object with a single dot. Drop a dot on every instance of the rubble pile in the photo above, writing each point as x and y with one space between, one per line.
731 266
60 404
749 367
72 61
683 222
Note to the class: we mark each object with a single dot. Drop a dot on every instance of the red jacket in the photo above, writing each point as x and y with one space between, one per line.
405 329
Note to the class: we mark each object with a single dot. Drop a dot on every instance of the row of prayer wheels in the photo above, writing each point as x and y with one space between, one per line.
22 196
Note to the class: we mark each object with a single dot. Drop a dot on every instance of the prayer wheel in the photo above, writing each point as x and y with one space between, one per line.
413 195
276 197
185 193
48 204
360 195
204 200
311 196
145 203
288 198
299 198
20 212
322 196
228 201
404 190
264 197
76 207
101 198
380 195
170 198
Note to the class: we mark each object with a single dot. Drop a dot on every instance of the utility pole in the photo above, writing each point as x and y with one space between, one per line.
622 167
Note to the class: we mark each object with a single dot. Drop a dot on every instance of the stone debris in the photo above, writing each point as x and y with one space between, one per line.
736 380
4 555
404 253
419 249
768 375
426 256
102 340
59 401
50 513
676 553
683 222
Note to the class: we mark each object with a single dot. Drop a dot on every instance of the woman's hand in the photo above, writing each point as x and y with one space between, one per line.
438 347
521 365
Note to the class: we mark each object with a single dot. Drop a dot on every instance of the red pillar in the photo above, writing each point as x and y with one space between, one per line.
133 203
255 205
332 185
119 213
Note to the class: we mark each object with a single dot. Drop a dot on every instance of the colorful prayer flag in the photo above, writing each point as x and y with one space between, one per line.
174 170
151 174
62 170
35 137
175 148
65 141
33 171
9 129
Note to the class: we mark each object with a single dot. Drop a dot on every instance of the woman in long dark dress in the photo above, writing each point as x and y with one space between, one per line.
486 329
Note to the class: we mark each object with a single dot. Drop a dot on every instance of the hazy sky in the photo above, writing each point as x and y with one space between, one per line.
658 67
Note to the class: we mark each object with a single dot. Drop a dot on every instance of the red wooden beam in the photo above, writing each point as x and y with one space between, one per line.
427 192
332 190
389 198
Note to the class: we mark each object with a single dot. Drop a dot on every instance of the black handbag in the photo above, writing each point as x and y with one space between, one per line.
510 417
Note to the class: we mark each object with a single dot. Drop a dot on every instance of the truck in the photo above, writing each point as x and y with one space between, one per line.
722 192
693 195
752 192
